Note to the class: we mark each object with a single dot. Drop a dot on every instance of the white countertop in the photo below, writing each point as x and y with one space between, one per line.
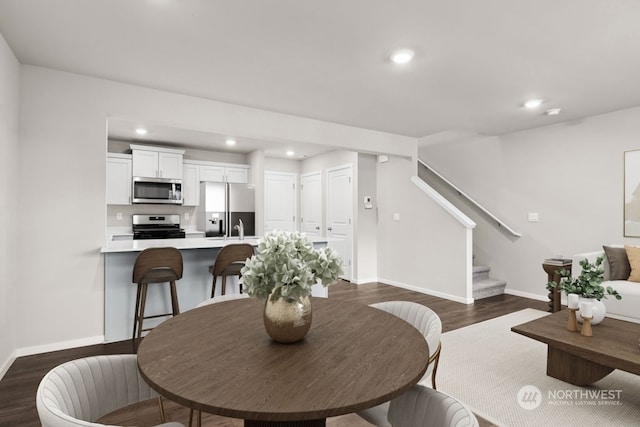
193 243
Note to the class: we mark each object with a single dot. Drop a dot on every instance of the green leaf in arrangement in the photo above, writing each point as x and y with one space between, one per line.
587 284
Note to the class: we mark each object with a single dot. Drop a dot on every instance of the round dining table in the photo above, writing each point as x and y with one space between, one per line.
219 359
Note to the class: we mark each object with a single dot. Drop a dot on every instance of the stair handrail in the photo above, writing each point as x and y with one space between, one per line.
471 200
444 203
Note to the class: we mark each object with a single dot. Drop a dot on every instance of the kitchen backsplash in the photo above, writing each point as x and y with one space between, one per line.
127 211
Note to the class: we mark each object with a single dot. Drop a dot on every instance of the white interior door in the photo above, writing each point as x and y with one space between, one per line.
311 204
280 201
340 214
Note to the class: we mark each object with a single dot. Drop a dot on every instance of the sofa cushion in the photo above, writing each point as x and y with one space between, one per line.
633 253
619 268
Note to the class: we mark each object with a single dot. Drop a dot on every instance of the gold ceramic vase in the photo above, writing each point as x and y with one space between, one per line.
287 321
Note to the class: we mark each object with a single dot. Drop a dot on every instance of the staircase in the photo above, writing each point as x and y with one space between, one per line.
483 285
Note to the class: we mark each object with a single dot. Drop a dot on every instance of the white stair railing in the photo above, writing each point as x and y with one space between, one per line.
462 194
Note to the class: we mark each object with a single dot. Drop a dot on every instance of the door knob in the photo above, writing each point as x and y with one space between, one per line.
329 228
317 228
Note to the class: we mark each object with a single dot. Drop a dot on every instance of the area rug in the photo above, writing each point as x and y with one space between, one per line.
497 374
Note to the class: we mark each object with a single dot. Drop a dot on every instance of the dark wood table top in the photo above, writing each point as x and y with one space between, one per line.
615 343
219 359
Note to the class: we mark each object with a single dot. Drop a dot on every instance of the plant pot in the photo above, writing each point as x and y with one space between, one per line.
287 321
598 308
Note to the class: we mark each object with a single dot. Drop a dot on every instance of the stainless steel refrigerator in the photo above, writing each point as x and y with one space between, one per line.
222 205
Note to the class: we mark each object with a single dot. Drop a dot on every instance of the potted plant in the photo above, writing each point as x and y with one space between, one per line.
282 272
588 286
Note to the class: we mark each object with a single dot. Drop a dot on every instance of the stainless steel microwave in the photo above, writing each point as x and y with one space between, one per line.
157 190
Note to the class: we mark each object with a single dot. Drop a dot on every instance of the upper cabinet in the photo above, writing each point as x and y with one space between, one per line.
197 171
118 179
156 162
237 174
224 173
212 173
190 184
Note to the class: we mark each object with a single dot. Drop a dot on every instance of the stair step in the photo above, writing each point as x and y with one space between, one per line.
480 272
485 288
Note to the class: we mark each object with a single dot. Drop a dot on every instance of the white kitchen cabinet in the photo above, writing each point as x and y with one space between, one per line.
157 162
237 175
190 184
212 173
118 179
224 174
221 172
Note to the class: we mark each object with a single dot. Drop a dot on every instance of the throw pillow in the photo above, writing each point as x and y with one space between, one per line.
619 268
633 253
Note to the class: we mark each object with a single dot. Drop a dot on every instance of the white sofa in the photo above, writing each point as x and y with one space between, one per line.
628 308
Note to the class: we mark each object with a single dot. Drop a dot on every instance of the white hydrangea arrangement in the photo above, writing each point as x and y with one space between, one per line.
286 266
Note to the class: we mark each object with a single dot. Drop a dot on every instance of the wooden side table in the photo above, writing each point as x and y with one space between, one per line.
553 276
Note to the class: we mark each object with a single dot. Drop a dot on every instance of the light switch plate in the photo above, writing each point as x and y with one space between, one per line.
396 216
533 217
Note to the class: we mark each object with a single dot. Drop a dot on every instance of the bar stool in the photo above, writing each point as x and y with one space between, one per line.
155 265
228 262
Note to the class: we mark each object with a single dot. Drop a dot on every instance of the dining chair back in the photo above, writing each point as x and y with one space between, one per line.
79 392
426 321
155 265
423 406
230 259
429 324
222 298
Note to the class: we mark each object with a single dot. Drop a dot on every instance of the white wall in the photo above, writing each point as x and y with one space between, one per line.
365 228
9 107
570 173
425 250
62 176
282 165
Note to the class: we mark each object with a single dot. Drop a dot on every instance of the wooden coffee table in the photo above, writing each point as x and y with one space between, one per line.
581 360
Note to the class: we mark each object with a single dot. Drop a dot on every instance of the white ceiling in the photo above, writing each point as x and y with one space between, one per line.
125 130
476 61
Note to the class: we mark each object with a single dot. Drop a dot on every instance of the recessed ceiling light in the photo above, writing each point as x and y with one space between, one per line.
402 56
553 111
533 103
290 153
141 131
230 141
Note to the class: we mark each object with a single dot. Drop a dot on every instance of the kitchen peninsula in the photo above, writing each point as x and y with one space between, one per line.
194 287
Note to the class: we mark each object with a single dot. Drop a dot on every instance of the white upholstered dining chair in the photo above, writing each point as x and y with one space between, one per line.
429 324
423 406
221 298
79 392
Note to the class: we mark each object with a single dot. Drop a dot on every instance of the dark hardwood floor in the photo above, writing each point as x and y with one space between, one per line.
19 385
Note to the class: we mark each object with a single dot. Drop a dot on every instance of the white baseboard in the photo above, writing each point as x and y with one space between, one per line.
427 291
7 364
366 280
526 295
62 345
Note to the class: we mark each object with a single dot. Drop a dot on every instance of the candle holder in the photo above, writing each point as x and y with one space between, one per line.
572 323
586 326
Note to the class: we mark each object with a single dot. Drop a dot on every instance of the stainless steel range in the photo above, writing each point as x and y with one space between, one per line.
157 227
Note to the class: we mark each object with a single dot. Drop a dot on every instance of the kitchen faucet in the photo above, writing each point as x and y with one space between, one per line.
240 228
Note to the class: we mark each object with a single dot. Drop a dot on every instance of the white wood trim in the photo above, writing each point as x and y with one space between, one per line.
470 199
444 203
62 345
426 291
158 149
